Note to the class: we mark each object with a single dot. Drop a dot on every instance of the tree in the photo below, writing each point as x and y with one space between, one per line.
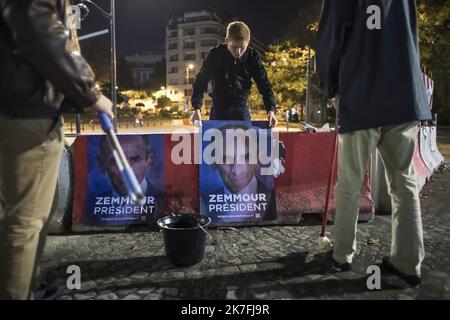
434 33
163 102
301 31
286 68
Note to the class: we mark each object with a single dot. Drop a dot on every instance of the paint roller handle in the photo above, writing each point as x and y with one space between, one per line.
105 121
133 186
128 176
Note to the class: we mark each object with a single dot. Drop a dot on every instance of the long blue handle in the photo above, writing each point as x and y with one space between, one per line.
131 181
105 121
128 176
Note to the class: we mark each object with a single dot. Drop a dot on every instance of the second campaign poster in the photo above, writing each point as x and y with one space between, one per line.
234 187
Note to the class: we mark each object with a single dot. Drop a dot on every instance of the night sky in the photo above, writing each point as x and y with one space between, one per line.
141 23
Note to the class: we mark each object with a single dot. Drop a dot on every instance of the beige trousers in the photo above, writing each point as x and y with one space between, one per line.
396 146
30 154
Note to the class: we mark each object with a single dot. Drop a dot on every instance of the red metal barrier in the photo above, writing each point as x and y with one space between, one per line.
300 189
79 151
181 182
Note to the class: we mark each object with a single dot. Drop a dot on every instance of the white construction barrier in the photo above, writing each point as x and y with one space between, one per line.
439 159
425 144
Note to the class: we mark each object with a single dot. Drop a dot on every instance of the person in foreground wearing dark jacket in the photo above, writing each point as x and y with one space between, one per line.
368 57
231 67
40 65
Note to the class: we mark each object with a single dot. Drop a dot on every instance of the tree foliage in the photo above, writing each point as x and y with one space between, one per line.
286 68
301 31
163 102
434 33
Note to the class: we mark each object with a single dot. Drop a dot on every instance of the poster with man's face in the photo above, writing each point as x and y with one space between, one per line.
234 187
107 201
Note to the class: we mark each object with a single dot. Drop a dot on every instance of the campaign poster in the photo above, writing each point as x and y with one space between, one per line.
236 184
107 199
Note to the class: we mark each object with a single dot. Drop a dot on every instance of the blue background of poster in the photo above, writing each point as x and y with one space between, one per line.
210 179
99 183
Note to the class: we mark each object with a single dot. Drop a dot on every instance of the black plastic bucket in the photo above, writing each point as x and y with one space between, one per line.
184 238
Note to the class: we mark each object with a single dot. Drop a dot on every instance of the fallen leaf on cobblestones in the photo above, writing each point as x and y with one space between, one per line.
373 242
134 248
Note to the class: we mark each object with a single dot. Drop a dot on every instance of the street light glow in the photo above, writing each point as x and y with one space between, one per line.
191 66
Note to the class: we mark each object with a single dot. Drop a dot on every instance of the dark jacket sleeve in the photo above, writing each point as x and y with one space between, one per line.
335 22
201 81
41 39
259 74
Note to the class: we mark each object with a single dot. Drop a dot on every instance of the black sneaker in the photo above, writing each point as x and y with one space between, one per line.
339 267
411 279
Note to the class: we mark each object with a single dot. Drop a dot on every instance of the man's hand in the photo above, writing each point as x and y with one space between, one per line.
196 118
272 119
103 104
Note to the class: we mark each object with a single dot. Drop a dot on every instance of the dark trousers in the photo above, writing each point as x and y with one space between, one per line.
240 112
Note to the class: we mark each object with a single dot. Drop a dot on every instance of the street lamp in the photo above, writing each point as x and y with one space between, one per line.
308 86
165 91
112 18
189 67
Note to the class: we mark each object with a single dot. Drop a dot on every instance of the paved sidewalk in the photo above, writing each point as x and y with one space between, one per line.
280 262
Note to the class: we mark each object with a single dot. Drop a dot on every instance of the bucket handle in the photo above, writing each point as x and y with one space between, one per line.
208 235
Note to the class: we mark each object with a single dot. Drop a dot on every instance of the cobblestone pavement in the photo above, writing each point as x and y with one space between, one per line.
277 262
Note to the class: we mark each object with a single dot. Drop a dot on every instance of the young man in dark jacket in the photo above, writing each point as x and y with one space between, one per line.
230 67
368 56
40 65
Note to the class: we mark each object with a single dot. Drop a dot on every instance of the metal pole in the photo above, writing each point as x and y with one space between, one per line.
287 119
92 35
78 123
113 64
308 66
187 84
